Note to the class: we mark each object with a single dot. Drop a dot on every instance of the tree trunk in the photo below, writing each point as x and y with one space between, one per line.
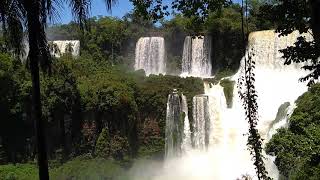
34 29
63 136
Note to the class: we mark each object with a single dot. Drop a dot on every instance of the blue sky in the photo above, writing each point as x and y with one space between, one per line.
98 8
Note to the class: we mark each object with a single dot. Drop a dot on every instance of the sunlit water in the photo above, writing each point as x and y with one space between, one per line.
196 57
221 152
150 55
63 47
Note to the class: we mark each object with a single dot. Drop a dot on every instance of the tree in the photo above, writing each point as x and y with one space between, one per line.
303 16
103 144
36 13
69 48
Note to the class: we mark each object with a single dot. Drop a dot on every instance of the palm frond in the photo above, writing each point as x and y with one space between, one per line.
109 4
49 10
80 11
12 18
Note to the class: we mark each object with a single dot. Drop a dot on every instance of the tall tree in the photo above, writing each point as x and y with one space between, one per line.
32 16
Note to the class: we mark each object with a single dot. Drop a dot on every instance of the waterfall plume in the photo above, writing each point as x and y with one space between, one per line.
222 130
196 57
173 132
150 55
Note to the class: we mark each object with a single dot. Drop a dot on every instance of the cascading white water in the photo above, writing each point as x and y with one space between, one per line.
63 47
150 55
275 85
201 122
186 144
196 57
173 138
281 120
227 156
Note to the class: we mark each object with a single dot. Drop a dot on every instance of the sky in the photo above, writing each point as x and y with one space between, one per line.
98 8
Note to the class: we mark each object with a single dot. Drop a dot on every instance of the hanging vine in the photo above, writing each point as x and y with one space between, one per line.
249 96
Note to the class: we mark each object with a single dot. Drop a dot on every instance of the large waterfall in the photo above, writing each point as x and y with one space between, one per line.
196 57
226 155
150 55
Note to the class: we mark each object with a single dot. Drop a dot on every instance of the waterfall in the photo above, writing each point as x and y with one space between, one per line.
65 46
275 84
57 48
173 137
150 55
201 122
226 155
196 57
186 143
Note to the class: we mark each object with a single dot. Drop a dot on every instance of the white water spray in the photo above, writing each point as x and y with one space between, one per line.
186 143
150 55
196 58
227 156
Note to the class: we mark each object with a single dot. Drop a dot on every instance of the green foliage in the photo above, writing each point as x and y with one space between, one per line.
18 172
84 168
103 146
115 147
297 148
228 87
63 32
119 147
302 16
14 92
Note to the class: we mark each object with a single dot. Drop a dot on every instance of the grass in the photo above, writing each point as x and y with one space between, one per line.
80 168
18 172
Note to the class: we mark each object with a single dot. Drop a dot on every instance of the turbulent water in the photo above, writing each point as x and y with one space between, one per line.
226 156
196 58
201 122
186 144
150 55
173 138
63 47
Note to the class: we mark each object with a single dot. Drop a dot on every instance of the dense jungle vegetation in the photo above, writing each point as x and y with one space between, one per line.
297 148
96 105
101 116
